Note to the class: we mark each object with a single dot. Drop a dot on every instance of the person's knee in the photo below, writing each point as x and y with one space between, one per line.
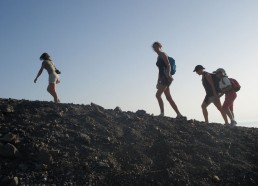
225 108
204 106
169 98
158 96
50 88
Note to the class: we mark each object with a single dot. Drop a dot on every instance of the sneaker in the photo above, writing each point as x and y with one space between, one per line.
161 115
233 123
181 117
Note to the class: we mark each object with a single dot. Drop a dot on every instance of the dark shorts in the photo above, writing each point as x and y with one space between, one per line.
209 99
164 81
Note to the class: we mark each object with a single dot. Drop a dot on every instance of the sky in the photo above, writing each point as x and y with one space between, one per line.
103 49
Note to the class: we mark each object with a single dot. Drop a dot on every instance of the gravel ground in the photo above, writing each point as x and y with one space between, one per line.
43 143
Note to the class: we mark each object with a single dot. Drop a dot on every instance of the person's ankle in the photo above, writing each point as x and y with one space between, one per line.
179 115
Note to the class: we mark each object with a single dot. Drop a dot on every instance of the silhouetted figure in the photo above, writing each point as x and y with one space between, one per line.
53 76
230 95
211 93
164 79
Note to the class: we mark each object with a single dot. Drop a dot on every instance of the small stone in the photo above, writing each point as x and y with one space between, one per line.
8 138
9 109
118 109
103 165
85 138
109 139
138 118
127 117
215 179
1 116
54 152
85 151
14 181
98 111
97 107
252 180
141 112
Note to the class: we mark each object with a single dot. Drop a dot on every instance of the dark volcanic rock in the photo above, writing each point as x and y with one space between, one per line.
43 143
118 109
8 150
9 138
141 112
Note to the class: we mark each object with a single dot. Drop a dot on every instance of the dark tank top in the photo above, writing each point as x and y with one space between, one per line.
162 67
207 86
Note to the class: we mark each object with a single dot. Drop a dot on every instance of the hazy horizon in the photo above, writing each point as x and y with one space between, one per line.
248 124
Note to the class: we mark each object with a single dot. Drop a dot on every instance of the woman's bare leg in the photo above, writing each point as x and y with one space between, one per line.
232 112
52 90
205 111
160 90
228 113
171 101
217 103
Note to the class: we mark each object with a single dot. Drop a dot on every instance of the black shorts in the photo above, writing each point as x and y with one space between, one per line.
164 81
209 99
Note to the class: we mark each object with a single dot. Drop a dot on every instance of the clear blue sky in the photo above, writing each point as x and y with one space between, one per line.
103 49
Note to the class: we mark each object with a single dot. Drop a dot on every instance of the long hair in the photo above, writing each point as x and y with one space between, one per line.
156 43
45 56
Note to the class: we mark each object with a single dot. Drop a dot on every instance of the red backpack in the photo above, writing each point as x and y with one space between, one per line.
235 85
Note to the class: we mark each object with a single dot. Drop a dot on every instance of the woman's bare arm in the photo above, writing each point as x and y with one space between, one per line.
165 59
209 79
39 73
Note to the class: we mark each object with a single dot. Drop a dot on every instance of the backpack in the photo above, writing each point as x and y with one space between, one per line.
235 85
173 65
216 81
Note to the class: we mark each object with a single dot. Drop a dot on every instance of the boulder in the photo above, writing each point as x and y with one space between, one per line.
118 109
141 112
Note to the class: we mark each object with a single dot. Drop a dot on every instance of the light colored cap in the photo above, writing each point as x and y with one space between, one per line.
221 70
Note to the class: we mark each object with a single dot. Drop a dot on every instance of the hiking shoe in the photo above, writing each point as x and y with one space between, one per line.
181 117
233 123
161 115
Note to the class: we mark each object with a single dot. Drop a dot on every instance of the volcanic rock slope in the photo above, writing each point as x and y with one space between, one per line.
43 143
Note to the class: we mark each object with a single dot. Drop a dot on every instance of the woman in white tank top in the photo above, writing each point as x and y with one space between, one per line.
53 76
230 94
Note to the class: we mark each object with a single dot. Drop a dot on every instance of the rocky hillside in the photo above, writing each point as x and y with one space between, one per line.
42 143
